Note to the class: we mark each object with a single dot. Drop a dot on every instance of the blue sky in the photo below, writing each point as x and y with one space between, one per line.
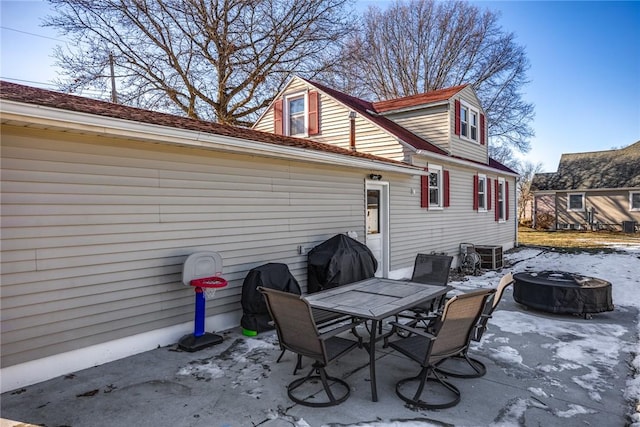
585 67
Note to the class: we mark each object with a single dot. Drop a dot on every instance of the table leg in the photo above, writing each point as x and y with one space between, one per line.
372 360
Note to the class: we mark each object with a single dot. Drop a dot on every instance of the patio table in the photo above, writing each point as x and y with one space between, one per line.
375 299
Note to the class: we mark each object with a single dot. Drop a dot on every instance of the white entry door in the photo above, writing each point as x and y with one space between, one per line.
377 211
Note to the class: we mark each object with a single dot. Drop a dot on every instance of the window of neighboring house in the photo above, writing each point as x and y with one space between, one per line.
634 200
295 113
575 202
501 200
482 193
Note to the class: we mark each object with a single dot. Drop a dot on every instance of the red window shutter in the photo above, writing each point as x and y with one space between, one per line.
488 194
475 192
424 191
497 216
445 184
277 117
506 201
482 133
314 124
457 113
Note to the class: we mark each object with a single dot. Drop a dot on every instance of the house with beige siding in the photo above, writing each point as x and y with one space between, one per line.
102 203
464 196
591 191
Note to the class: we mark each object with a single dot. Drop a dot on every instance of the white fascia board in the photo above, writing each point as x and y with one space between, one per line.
465 163
48 117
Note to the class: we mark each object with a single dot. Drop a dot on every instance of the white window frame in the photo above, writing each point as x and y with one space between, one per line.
286 113
569 208
471 112
502 200
631 194
436 169
482 197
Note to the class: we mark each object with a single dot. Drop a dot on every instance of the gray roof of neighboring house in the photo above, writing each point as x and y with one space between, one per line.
594 170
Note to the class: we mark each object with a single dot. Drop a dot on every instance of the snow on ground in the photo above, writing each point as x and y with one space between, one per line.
621 268
579 348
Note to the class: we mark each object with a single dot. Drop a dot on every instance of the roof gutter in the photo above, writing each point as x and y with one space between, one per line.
48 117
464 163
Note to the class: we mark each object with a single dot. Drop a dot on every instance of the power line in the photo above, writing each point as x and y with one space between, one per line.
32 34
52 86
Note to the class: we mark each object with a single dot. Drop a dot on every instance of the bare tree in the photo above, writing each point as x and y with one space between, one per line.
221 60
527 171
423 45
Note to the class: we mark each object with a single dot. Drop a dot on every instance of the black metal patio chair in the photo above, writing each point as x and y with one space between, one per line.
461 365
450 335
297 331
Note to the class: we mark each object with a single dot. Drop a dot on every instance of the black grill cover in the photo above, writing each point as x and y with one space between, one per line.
338 261
277 276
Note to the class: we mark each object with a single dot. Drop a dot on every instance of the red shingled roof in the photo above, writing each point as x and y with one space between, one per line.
366 109
415 100
371 110
48 98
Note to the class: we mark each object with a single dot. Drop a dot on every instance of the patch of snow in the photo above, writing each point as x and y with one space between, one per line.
537 392
573 411
508 355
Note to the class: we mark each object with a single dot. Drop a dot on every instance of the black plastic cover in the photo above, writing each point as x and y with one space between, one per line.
338 261
277 276
562 292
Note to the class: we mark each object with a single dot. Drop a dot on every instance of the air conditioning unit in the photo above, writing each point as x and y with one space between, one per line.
490 257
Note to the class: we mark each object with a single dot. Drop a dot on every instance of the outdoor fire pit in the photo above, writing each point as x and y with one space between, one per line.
562 292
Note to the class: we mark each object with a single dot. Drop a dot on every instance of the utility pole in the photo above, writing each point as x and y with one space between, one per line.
114 94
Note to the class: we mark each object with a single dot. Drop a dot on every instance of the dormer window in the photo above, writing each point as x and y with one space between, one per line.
473 125
296 114
464 121
469 122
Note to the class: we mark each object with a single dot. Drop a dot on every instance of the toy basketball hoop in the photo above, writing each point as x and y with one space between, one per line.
209 285
202 271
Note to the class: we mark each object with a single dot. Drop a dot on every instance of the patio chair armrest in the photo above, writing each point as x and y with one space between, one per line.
412 330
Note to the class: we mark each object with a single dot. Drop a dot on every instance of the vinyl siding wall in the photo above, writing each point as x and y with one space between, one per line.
335 127
431 124
611 209
415 229
95 231
463 147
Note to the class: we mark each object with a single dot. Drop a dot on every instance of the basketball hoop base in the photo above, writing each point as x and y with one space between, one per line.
192 343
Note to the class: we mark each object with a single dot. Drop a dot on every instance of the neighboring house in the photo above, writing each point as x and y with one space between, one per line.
596 190
102 203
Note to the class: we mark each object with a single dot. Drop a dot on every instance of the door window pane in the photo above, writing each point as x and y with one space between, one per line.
373 211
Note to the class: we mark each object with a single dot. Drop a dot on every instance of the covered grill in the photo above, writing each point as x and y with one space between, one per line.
338 261
255 317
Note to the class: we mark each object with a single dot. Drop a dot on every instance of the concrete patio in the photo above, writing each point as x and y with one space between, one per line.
535 378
